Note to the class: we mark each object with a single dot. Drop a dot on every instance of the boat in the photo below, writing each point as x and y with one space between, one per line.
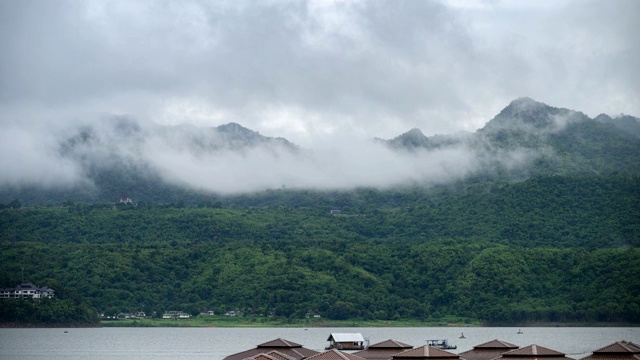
462 336
519 331
442 344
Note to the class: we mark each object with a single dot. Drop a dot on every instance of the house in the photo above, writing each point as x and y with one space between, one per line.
383 350
139 315
26 291
271 355
281 346
335 212
426 352
346 341
334 354
489 350
620 350
533 352
175 315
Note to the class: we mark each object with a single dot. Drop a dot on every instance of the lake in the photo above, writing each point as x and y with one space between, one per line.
216 343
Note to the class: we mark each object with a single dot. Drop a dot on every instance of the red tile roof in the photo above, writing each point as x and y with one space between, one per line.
261 357
334 354
390 344
383 350
271 355
620 350
426 352
496 344
533 351
620 347
285 347
280 356
280 343
489 350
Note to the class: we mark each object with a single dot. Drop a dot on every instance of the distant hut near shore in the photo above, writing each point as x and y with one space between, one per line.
620 350
426 352
383 350
533 352
489 350
281 346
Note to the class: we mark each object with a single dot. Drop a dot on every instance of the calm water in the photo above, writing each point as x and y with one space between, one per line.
216 343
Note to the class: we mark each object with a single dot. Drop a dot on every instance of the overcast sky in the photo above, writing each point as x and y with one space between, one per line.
326 75
311 70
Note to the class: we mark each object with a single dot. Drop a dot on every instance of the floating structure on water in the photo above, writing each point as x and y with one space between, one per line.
442 344
347 341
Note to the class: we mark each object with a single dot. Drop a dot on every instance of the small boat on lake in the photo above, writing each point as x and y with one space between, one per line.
442 344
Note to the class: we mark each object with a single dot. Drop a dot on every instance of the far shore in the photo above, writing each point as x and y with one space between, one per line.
257 322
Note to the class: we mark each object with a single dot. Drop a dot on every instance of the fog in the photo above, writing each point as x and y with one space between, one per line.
328 76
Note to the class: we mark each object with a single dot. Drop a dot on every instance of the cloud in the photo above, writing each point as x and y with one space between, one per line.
365 164
314 72
30 157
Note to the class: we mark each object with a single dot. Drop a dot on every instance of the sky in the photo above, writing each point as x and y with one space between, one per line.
310 71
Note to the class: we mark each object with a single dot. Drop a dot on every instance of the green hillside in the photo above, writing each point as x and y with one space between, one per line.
545 249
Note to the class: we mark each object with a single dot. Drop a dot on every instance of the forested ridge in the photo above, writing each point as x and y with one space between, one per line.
544 249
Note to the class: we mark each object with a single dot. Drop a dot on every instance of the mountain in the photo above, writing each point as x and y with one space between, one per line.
626 123
156 164
529 138
414 139
119 155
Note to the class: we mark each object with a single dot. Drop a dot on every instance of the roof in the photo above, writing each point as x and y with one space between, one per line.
271 355
533 352
279 342
383 350
425 352
261 357
334 354
619 347
489 350
282 346
486 354
496 344
390 344
380 354
620 350
346 337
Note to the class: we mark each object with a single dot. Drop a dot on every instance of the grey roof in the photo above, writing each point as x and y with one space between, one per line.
346 337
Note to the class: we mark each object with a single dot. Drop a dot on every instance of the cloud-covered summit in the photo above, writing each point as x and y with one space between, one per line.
121 154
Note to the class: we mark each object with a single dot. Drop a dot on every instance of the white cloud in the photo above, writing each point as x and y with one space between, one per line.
315 72
31 157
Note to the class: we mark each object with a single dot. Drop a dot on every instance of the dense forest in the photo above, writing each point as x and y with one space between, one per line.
540 222
544 249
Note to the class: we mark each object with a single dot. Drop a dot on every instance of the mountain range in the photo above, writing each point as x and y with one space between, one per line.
527 138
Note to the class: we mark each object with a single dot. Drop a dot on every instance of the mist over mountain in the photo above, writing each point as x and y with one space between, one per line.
98 161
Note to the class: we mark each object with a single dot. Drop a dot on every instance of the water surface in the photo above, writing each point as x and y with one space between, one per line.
216 343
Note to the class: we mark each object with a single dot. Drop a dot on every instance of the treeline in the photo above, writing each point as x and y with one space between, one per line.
545 249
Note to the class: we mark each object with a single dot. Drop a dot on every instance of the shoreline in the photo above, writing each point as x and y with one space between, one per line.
223 322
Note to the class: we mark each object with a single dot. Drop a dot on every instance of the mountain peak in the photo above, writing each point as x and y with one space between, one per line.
233 127
415 132
524 105
527 112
